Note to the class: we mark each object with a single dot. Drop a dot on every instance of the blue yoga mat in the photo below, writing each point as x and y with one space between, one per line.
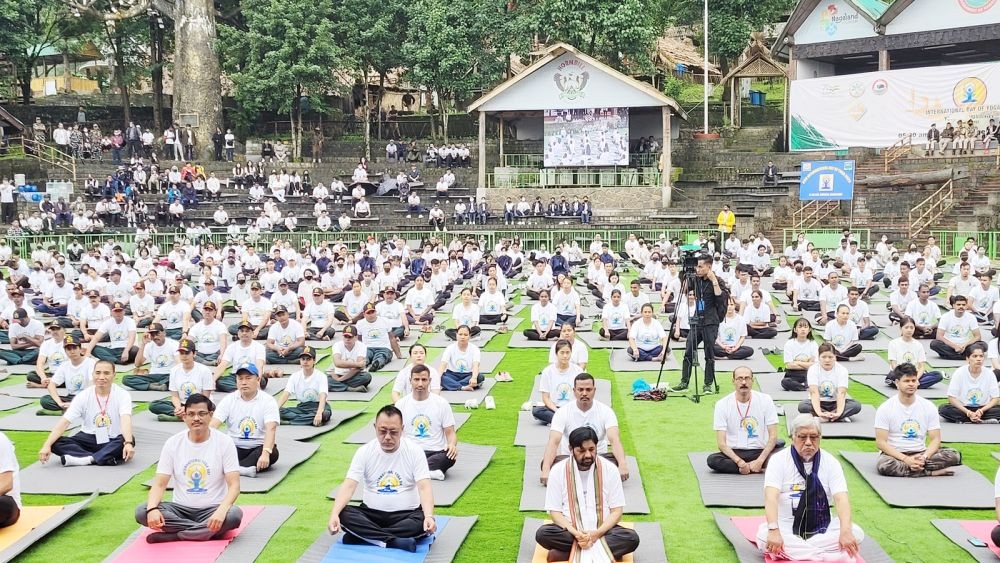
343 553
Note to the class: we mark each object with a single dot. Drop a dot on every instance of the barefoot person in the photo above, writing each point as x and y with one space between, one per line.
187 378
251 418
746 428
799 485
397 505
585 526
908 433
203 464
429 422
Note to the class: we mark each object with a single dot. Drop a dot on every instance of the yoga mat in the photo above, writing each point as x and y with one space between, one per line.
777 343
530 432
880 319
651 548
366 433
970 433
741 531
513 323
721 489
880 342
937 362
440 340
26 420
19 369
34 524
146 396
136 548
594 340
965 489
862 425
23 392
452 531
519 340
961 531
10 403
867 363
488 361
53 479
396 364
378 382
757 362
479 393
877 382
251 542
603 393
620 361
533 493
770 384
290 454
472 460
337 417
146 419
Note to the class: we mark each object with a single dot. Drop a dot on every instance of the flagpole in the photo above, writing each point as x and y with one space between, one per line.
705 68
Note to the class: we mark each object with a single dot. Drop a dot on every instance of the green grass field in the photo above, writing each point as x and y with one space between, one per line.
659 434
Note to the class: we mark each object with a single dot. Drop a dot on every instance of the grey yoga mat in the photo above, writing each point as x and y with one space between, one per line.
533 493
366 433
757 362
770 384
19 390
720 489
10 403
862 425
472 460
519 340
246 546
530 432
880 342
440 340
747 552
396 364
970 433
651 548
290 454
285 431
867 363
378 382
443 550
965 489
54 479
620 361
877 382
39 532
479 393
26 420
953 530
593 340
488 361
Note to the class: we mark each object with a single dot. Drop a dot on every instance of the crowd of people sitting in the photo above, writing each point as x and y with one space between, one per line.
961 138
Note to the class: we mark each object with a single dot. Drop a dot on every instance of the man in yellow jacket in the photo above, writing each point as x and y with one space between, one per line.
726 220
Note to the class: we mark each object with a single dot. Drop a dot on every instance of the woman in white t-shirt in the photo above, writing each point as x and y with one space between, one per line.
556 382
567 302
732 333
760 321
418 357
843 334
492 304
613 283
783 274
827 381
800 353
578 349
543 319
908 350
972 391
647 341
615 318
354 304
459 364
465 313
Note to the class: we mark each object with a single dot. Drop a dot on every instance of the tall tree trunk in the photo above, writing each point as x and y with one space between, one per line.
115 39
197 89
291 127
24 81
368 113
381 96
156 52
444 117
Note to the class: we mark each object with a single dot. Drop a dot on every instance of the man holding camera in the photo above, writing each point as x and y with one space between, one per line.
713 297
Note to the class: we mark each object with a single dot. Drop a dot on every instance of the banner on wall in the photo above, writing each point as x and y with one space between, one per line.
829 180
876 109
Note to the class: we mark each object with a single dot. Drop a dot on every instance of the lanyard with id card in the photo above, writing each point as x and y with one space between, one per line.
102 429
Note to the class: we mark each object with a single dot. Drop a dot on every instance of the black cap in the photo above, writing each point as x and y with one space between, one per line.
70 340
308 351
186 344
20 314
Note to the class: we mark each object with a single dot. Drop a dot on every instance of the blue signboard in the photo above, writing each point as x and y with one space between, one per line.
827 180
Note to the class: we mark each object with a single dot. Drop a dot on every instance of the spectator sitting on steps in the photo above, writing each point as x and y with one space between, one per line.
770 174
362 209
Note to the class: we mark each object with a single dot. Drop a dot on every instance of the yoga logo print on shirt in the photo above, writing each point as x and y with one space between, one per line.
247 426
974 398
119 335
910 428
838 340
187 389
421 426
826 389
563 393
74 383
388 483
956 333
196 471
462 365
907 358
751 426
309 396
57 359
285 341
729 335
162 361
173 318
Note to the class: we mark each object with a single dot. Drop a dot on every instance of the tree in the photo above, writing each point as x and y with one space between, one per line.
286 52
730 22
122 42
27 28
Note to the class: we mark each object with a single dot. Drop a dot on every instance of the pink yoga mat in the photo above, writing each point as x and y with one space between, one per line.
192 551
747 525
982 529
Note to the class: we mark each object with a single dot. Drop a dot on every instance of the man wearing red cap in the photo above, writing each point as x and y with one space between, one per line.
120 331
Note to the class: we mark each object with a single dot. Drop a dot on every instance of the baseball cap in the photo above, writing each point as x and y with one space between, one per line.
20 314
370 308
140 285
246 325
350 330
248 368
283 282
93 293
317 291
186 344
255 285
308 351
117 306
209 305
209 281
280 309
389 289
70 340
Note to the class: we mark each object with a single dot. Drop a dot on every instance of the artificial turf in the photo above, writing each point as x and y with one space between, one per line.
659 434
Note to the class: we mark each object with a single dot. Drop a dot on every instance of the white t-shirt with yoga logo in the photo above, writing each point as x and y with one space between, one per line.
460 361
75 378
907 426
307 389
745 424
569 417
198 469
425 421
827 381
246 420
186 383
106 413
389 480
647 336
208 337
559 383
902 352
973 391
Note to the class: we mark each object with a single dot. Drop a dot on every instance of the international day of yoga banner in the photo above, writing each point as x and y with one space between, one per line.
586 137
876 109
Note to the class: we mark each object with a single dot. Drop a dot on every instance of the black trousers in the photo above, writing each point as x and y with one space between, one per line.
82 445
720 462
249 456
9 512
951 413
378 527
439 461
794 380
710 334
621 541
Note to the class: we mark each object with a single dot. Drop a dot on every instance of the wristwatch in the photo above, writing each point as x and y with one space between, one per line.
772 526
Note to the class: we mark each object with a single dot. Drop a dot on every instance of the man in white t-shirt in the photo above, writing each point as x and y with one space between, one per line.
74 375
285 338
808 532
397 506
10 483
318 316
908 433
51 355
429 422
160 353
308 388
210 335
590 523
120 332
973 393
240 353
746 428
203 465
350 356
251 418
105 414
378 337
26 336
589 412
956 330
186 378
925 314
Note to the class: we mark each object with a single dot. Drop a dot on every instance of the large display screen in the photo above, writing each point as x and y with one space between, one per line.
586 137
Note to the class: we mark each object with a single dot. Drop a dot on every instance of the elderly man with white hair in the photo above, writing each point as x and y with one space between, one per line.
799 485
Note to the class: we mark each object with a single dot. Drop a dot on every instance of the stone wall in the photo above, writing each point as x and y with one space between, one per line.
631 197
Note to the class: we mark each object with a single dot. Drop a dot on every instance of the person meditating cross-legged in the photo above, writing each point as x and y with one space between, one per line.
732 333
956 330
908 433
75 375
543 319
842 334
251 418
397 505
827 381
350 356
429 422
973 393
647 341
799 485
459 364
309 388
585 526
555 382
746 428
186 378
203 464
800 353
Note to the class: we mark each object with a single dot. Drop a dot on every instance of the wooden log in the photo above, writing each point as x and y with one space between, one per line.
908 179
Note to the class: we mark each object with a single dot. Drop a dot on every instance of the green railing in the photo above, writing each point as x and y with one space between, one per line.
951 242
570 178
823 239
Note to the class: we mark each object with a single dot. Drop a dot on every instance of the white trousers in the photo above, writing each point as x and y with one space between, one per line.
821 547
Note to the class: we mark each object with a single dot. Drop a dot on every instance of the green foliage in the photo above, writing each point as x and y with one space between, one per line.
731 22
673 87
371 33
28 27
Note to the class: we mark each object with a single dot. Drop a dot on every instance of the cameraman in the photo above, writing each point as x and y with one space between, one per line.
712 304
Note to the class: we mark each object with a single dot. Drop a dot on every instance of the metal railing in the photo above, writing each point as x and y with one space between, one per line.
48 154
811 213
932 207
569 178
898 149
824 239
537 160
